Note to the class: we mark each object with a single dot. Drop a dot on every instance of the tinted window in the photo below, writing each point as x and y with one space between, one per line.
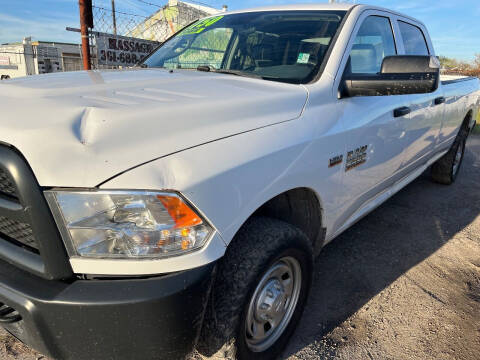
413 39
373 42
285 46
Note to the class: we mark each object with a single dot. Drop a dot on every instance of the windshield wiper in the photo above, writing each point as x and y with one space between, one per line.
208 68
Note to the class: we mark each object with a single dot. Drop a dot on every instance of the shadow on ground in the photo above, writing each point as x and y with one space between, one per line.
368 257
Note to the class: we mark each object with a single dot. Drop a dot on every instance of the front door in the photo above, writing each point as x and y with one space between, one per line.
375 136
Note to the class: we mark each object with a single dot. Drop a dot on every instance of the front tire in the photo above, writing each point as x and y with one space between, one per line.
259 293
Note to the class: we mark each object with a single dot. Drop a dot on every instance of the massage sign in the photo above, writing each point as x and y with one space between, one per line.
118 50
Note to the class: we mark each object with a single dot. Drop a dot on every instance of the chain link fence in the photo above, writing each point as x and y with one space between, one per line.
158 27
117 23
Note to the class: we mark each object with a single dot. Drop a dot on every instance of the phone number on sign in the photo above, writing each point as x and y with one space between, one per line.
123 57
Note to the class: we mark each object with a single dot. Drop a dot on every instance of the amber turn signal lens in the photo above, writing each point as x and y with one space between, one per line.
179 211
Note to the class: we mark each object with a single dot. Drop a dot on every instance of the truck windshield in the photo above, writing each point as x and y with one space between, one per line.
287 46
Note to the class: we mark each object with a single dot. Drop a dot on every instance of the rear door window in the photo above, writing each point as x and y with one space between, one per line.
413 39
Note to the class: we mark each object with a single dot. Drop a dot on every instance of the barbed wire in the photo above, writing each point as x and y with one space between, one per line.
161 6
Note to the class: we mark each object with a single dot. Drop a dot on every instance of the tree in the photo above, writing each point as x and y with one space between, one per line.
476 62
453 66
448 63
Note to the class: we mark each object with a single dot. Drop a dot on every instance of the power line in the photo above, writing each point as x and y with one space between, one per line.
149 3
119 12
200 3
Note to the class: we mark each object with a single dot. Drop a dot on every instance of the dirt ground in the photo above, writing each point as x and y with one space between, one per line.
403 283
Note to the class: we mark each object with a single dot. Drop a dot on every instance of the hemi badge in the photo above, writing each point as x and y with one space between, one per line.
335 161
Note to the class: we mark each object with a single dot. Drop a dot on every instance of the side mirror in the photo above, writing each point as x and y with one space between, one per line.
399 75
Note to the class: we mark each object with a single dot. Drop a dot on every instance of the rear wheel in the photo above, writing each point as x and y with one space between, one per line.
446 169
259 293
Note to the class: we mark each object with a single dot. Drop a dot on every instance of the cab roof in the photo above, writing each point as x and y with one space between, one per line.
322 6
334 6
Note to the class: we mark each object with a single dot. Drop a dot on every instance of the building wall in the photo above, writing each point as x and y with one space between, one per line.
30 58
71 57
57 57
12 60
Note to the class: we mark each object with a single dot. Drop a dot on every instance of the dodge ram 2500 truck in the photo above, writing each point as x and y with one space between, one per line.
179 205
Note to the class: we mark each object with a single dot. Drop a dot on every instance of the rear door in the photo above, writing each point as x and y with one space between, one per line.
423 126
375 137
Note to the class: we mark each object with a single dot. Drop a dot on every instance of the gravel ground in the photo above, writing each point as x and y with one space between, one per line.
403 283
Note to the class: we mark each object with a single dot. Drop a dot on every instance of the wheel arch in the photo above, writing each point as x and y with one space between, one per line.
467 117
469 121
300 207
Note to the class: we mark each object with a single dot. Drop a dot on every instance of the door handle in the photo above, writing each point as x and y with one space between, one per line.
439 100
402 111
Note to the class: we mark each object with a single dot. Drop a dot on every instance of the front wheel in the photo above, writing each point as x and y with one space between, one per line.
259 293
272 304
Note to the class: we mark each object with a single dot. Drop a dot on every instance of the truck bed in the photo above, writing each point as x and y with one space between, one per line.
450 79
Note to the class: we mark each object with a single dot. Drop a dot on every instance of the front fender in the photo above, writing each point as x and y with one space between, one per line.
227 180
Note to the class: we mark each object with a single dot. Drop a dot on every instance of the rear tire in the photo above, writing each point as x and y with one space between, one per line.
446 169
262 282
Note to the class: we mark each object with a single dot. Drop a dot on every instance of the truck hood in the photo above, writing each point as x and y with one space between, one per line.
79 129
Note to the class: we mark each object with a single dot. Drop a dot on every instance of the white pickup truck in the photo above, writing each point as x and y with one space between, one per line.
180 204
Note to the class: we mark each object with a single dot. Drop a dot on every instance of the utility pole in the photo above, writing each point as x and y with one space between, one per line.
86 21
114 18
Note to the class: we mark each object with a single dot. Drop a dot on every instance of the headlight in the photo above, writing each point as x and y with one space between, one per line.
127 224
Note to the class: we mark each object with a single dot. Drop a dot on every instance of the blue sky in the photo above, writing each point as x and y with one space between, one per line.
454 25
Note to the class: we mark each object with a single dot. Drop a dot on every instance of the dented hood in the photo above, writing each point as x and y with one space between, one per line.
79 129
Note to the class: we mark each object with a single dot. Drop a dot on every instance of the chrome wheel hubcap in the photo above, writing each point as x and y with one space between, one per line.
273 304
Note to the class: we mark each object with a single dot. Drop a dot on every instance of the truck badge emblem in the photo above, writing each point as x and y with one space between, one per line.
356 157
335 160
